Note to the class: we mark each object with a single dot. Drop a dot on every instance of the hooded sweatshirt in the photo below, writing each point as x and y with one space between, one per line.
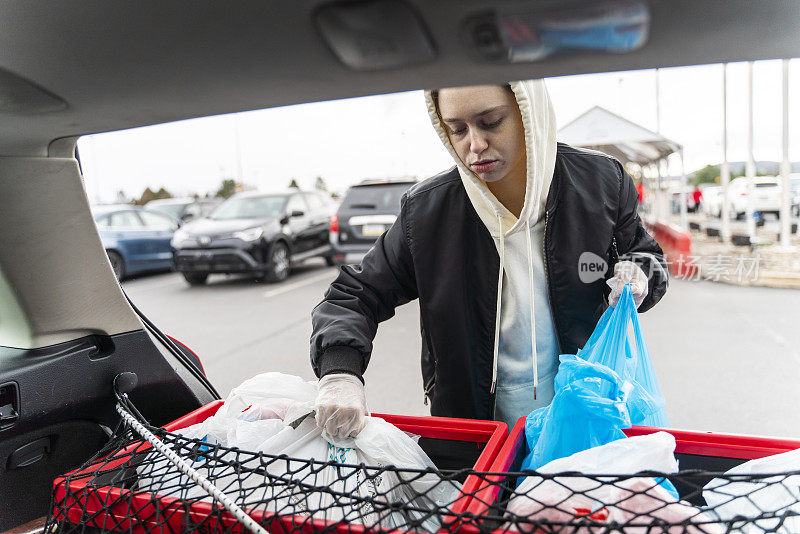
525 358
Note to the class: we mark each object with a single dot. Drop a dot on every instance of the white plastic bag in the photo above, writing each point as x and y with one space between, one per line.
262 415
778 495
634 501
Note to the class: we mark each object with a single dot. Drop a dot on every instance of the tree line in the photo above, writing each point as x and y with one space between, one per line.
226 189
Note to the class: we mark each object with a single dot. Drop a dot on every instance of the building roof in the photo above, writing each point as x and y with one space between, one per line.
607 132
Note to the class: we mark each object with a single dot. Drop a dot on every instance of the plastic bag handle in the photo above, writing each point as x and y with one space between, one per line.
612 334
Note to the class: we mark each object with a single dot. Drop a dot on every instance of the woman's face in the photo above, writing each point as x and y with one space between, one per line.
485 127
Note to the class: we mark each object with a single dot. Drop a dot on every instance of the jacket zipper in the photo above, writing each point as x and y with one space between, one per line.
428 390
547 279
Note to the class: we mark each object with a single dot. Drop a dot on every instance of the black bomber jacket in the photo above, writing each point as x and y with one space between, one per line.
439 251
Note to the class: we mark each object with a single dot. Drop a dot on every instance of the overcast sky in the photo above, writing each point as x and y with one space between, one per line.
346 141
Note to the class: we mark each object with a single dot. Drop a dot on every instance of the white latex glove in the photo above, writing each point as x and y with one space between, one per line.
341 405
627 272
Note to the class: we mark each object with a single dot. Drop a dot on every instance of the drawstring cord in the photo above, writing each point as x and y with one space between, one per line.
533 319
499 297
531 303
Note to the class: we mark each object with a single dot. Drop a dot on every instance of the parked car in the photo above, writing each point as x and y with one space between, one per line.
263 234
766 195
367 210
712 200
186 208
136 240
795 193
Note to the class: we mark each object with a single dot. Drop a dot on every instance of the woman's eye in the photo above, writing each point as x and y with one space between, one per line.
493 124
459 131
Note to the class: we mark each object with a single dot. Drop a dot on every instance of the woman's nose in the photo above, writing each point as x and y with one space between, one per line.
477 142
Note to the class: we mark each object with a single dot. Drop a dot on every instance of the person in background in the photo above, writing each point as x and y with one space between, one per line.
697 198
513 254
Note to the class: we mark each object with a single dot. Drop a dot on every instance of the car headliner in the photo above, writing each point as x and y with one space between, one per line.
119 64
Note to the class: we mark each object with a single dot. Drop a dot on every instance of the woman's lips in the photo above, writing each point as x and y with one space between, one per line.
484 165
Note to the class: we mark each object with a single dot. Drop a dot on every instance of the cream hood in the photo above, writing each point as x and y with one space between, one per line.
539 121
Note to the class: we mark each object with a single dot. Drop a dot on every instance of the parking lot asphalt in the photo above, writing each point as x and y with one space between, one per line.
727 357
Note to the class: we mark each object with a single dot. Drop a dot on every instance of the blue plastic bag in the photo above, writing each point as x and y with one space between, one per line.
588 410
609 385
611 345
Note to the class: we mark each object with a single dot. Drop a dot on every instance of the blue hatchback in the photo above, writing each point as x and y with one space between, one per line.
136 240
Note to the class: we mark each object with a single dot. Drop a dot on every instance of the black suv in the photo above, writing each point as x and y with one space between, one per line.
255 233
367 210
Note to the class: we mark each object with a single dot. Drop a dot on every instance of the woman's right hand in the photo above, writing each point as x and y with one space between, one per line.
341 405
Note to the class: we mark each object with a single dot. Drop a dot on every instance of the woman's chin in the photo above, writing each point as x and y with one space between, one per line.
490 177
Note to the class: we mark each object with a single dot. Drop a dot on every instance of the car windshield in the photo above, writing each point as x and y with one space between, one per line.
250 208
173 210
375 197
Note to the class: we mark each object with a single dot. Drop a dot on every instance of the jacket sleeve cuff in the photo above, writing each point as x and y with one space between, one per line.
341 359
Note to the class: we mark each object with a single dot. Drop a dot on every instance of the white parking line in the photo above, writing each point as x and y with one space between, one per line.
329 275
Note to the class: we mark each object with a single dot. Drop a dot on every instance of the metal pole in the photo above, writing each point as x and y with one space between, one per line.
659 199
667 195
725 171
785 167
684 216
238 148
750 168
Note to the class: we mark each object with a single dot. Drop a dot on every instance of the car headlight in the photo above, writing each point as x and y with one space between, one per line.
251 234
178 238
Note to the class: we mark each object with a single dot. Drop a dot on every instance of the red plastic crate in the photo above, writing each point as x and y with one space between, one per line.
140 513
738 448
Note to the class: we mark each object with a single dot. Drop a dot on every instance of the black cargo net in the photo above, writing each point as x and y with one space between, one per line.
130 487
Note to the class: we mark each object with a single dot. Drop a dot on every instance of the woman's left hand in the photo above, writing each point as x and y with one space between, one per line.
627 272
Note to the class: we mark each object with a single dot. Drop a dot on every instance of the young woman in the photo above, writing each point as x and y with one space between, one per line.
511 255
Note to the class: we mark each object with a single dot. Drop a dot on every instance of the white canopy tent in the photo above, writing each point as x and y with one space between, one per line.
607 132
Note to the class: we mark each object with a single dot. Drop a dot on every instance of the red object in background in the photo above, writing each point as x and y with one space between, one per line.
640 190
697 196
677 246
98 507
334 224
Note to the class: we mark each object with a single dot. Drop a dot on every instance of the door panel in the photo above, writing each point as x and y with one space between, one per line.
301 238
65 404
320 220
160 230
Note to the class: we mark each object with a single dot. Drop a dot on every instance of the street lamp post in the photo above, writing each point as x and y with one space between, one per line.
725 171
750 167
785 167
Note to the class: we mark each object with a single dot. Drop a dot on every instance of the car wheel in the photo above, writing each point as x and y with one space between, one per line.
195 279
330 261
279 263
117 264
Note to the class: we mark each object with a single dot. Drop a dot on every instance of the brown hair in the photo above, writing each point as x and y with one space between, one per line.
435 96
